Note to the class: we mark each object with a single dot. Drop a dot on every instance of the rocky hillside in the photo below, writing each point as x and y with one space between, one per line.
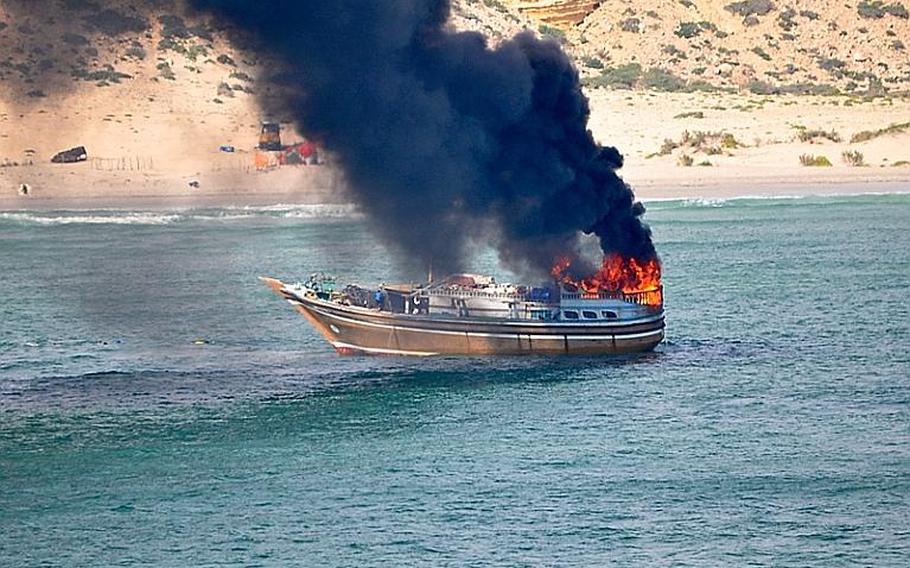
759 46
763 46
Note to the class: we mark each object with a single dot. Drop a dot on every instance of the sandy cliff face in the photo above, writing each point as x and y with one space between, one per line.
559 13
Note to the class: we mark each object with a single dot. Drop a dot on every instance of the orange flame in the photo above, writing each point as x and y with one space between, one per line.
617 274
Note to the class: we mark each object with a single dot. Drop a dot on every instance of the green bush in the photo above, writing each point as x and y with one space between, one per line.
673 51
173 27
809 89
622 76
729 141
876 9
761 53
225 59
168 44
702 86
241 76
136 51
815 161
685 160
687 30
195 51
662 80
550 31
105 75
225 90
785 19
831 64
632 25
164 69
759 87
592 62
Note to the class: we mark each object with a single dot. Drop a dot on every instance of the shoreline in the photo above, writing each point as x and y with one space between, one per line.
646 190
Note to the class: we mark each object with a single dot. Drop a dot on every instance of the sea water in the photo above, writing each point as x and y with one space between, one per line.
160 406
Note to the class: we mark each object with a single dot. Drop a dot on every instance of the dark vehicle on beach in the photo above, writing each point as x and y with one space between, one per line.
71 156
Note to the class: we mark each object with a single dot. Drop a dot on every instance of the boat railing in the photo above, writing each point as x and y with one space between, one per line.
477 294
653 297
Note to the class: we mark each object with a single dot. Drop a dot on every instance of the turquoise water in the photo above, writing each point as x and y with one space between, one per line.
771 428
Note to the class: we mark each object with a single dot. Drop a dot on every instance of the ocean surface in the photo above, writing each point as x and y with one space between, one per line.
771 428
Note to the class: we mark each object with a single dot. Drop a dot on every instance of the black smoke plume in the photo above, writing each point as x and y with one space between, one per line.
443 139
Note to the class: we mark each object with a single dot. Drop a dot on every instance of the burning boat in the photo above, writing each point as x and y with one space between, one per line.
618 310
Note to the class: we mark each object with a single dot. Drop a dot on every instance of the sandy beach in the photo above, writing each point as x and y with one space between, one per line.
127 170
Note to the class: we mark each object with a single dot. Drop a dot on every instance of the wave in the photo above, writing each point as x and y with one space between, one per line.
95 218
231 213
762 200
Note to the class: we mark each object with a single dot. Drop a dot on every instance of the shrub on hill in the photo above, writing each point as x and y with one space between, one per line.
240 75
688 30
876 9
136 51
630 25
164 69
112 23
551 32
750 8
105 75
761 53
866 135
76 40
662 80
624 76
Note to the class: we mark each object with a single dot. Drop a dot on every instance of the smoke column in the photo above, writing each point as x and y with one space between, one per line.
444 140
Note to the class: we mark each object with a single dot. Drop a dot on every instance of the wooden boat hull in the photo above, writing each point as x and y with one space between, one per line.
354 330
